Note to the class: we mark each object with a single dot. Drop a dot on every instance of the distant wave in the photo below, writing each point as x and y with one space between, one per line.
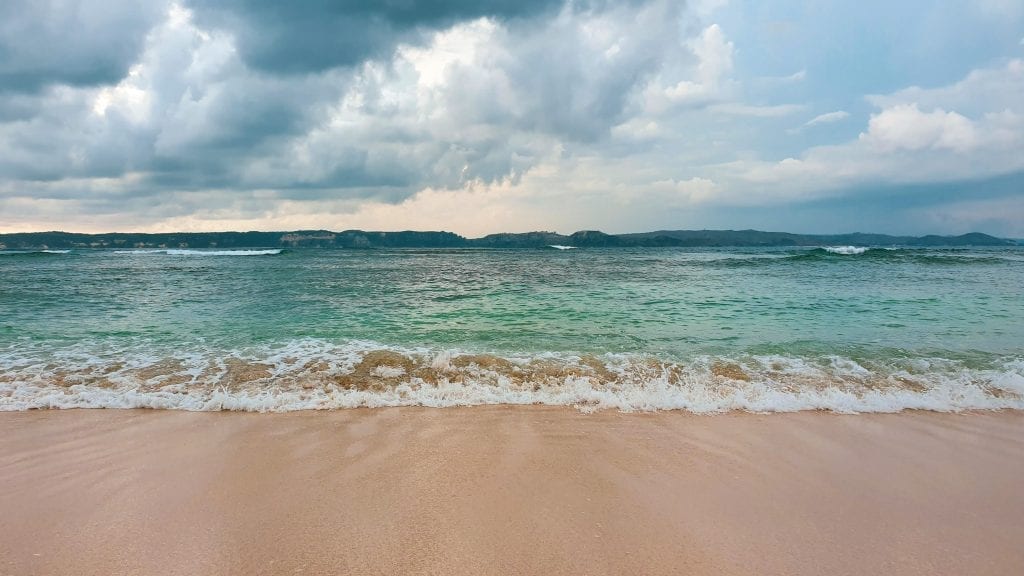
845 250
32 252
929 256
313 374
561 247
187 252
856 255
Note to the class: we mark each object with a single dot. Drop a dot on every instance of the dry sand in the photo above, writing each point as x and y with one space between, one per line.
510 490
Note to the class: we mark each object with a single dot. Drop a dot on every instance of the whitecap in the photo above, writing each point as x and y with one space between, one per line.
846 250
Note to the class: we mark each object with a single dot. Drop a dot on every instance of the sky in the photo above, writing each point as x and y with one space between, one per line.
482 116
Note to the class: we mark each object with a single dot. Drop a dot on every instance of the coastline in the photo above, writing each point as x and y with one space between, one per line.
510 490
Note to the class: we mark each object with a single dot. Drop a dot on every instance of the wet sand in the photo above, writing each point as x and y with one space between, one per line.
510 490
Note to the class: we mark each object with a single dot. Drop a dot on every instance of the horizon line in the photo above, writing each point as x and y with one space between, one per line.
585 230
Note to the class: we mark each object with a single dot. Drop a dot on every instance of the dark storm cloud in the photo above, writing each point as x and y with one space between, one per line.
483 101
209 114
314 35
573 93
83 43
18 106
897 209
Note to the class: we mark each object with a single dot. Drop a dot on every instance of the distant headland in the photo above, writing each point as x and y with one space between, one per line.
413 239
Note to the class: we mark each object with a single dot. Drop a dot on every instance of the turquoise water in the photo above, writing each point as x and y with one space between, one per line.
695 329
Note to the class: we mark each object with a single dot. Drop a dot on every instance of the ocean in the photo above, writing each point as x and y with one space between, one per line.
846 329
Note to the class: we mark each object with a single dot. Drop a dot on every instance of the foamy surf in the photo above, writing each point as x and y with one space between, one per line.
845 250
316 375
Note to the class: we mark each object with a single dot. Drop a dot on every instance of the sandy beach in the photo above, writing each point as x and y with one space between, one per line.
510 490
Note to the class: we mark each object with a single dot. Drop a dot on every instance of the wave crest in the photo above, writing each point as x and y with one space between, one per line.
312 375
190 252
845 250
33 252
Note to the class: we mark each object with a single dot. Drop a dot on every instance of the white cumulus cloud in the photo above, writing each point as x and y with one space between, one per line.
971 129
906 127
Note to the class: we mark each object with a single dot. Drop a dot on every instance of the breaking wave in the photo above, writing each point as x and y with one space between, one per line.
860 254
32 252
314 375
845 250
188 252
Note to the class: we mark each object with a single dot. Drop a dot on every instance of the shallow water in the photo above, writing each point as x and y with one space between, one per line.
842 328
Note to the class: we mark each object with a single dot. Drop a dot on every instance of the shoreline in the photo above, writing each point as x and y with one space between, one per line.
510 490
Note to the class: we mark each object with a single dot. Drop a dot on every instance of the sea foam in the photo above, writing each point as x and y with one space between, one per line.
314 375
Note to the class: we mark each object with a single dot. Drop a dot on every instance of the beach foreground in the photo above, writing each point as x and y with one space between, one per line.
510 490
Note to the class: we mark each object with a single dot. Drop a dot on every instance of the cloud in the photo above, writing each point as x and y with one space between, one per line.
715 63
977 214
480 101
83 43
906 127
210 114
972 129
827 118
796 77
304 36
185 112
982 90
